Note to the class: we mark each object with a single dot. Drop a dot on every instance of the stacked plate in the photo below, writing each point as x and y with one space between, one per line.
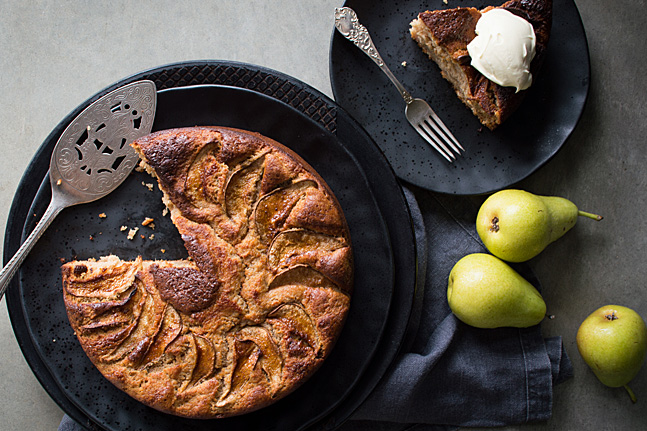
284 109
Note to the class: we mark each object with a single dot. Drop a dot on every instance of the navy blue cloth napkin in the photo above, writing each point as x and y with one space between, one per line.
451 374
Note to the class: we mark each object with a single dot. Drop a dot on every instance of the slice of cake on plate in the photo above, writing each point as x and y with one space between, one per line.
491 55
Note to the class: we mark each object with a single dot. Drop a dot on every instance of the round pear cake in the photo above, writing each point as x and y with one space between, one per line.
255 308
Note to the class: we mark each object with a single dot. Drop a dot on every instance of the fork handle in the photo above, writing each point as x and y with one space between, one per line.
348 25
12 266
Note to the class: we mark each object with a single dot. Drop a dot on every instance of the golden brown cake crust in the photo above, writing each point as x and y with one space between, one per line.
452 29
256 308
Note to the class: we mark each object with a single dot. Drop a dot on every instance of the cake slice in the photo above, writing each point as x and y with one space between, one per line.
444 35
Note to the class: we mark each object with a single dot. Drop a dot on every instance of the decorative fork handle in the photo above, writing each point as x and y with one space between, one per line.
348 25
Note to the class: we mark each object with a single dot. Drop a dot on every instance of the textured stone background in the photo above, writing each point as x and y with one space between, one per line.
54 55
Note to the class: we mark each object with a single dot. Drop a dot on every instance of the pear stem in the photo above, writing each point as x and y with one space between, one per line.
631 393
589 215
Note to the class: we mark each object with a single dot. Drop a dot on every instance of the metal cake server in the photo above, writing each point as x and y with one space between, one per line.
92 157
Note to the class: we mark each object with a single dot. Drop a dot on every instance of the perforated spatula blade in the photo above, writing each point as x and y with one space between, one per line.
93 156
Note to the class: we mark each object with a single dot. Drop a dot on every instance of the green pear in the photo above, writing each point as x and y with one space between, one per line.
613 342
485 292
516 225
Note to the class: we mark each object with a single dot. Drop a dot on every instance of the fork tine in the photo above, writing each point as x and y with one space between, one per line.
444 128
431 137
438 139
441 136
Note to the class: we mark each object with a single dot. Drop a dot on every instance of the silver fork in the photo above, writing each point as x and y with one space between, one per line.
417 111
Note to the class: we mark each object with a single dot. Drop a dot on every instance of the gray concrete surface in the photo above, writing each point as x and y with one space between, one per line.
54 55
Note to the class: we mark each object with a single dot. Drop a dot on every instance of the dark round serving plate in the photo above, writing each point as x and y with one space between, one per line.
283 109
493 159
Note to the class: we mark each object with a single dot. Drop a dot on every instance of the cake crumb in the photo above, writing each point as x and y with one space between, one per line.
59 182
123 228
139 167
102 215
148 221
152 236
445 1
404 64
163 250
132 232
149 186
164 211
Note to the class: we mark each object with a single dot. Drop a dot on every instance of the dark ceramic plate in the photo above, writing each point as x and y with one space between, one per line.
492 160
38 314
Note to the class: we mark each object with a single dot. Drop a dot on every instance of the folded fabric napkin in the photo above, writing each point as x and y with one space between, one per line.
451 374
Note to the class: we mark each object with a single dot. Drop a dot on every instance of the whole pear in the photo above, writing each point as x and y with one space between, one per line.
613 341
485 292
516 225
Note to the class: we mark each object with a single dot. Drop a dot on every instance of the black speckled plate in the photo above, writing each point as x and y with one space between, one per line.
327 139
492 160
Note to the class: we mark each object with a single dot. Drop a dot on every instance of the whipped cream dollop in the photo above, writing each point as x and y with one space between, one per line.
503 48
